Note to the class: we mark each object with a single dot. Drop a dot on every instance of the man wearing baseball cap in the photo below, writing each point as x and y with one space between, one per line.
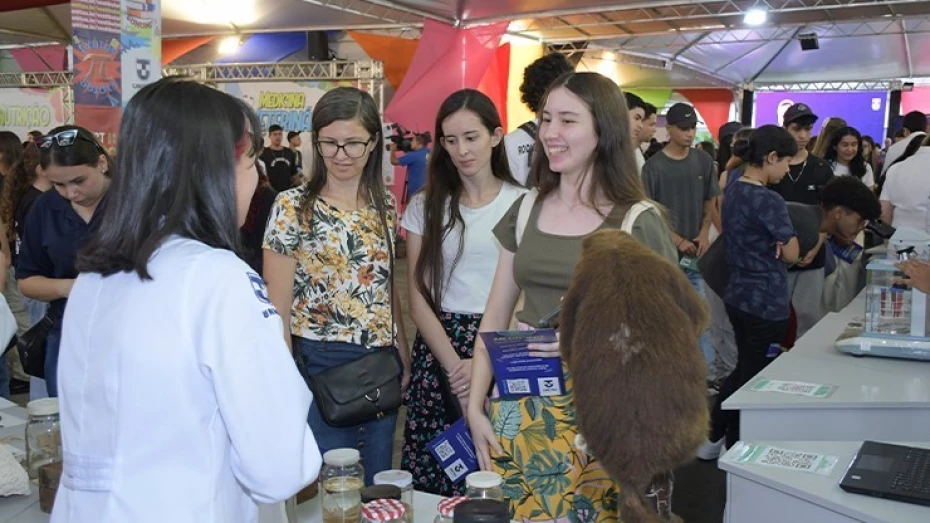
806 175
683 180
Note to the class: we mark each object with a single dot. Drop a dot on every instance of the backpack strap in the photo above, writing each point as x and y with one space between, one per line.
630 219
523 214
530 128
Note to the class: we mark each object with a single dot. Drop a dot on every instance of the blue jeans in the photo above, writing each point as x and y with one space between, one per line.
52 343
373 439
707 348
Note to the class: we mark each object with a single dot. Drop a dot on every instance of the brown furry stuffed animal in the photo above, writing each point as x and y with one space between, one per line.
629 334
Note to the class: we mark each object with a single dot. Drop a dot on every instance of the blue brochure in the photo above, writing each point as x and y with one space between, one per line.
515 372
455 451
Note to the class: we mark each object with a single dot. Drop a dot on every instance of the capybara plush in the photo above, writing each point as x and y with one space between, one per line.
629 333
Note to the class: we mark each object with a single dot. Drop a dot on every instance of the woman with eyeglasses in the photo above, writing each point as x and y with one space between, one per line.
79 169
179 401
329 262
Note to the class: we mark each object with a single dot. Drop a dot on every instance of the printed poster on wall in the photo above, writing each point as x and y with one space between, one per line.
28 109
97 85
290 105
141 45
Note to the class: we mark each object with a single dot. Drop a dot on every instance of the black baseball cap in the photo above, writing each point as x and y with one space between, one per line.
796 112
681 115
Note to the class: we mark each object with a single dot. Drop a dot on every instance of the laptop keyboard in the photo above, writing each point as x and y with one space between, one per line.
914 473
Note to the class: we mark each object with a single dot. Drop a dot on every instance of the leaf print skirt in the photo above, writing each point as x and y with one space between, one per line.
546 478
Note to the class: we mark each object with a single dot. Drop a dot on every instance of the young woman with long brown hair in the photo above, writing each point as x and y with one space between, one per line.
453 255
587 180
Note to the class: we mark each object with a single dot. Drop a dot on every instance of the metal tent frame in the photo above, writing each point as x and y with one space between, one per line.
367 75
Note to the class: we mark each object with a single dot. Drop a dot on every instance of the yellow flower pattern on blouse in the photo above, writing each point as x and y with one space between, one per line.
341 285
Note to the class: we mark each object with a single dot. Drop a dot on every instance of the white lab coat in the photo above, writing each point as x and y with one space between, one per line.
179 399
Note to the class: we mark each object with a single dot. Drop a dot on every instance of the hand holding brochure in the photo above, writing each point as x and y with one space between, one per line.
454 450
516 372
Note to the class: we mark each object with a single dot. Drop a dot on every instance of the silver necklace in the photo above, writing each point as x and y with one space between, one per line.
794 179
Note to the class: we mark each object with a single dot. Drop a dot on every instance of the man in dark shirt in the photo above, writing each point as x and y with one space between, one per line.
280 162
806 176
294 141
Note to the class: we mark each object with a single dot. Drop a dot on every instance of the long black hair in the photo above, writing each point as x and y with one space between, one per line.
444 191
347 103
857 166
179 143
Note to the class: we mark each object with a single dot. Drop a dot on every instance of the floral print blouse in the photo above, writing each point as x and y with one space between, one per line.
342 281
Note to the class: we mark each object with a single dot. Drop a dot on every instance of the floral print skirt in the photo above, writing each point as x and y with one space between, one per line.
546 478
428 415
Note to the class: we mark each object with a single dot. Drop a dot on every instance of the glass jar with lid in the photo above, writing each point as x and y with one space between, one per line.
376 492
402 480
484 485
446 509
43 435
342 478
482 511
384 511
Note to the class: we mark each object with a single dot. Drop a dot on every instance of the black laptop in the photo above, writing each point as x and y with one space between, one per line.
891 472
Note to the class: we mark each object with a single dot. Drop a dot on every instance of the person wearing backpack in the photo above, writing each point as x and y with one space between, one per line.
537 77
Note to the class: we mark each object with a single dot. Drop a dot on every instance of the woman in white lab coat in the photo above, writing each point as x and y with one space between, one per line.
179 399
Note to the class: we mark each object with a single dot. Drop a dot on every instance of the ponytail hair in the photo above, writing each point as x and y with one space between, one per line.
764 141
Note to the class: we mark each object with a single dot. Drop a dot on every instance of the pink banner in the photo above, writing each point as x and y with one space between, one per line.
447 59
33 59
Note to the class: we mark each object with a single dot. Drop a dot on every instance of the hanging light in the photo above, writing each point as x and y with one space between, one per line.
755 16
230 45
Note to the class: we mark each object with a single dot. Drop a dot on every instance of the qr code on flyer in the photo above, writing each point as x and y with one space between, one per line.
445 451
795 388
521 386
789 459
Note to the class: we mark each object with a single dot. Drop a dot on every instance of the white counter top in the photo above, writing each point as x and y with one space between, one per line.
875 398
817 490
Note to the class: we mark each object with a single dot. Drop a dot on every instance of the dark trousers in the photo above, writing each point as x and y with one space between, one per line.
754 336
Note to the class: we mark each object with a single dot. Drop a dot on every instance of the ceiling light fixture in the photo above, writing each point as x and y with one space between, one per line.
230 45
756 16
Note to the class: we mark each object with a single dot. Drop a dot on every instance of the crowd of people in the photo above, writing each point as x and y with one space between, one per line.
203 280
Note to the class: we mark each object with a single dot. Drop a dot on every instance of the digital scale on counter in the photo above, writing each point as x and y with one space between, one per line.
896 321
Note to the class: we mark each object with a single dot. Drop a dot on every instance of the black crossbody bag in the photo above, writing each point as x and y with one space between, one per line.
361 390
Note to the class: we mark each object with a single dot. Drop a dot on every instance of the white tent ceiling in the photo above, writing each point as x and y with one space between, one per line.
658 42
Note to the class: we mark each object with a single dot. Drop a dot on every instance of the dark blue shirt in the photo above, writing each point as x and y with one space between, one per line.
415 162
754 218
52 235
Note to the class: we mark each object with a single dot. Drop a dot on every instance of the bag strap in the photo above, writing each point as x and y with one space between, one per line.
530 128
523 214
630 219
390 243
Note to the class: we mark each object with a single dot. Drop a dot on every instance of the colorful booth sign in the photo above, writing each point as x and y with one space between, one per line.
25 109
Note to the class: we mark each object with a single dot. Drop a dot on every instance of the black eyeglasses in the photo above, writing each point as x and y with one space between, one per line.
64 139
353 149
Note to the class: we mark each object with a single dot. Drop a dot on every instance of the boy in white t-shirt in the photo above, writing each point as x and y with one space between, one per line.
537 77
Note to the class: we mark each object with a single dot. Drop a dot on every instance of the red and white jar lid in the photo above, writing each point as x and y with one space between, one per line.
447 506
383 510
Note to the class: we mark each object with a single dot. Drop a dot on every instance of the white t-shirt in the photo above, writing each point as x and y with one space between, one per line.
897 149
467 287
519 146
843 170
907 187
640 159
